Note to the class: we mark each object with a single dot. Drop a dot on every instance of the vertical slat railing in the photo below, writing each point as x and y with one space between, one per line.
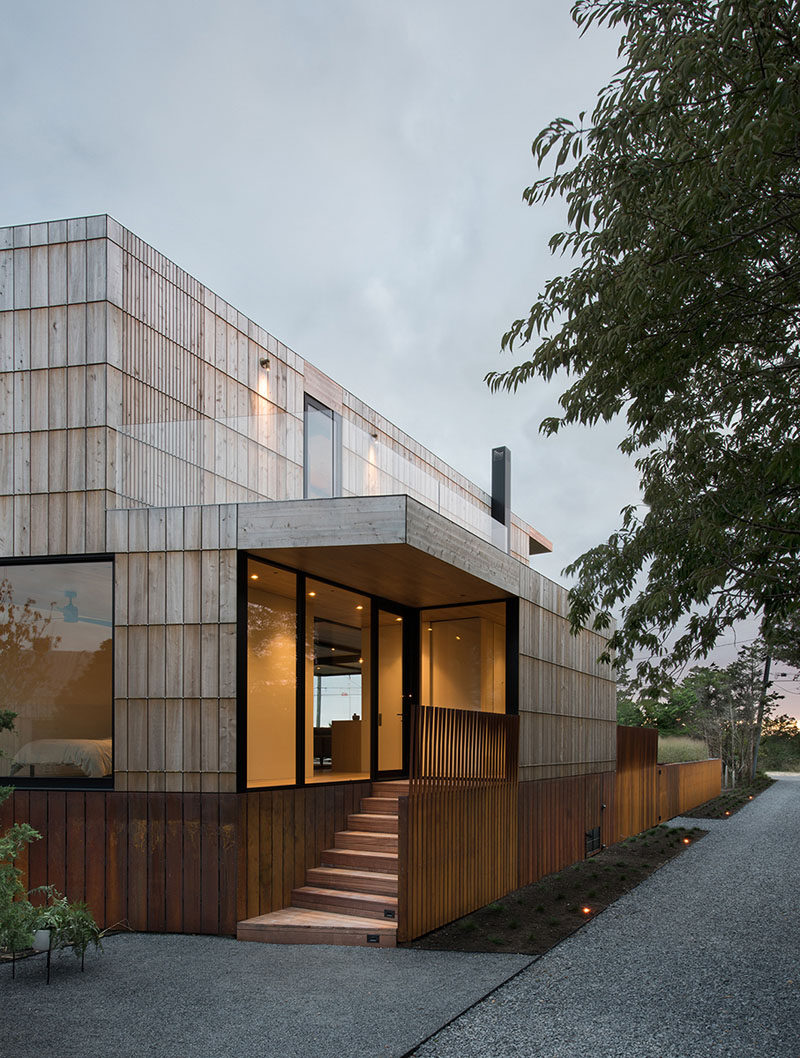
458 826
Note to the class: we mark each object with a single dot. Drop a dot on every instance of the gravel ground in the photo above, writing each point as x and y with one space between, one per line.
168 996
700 961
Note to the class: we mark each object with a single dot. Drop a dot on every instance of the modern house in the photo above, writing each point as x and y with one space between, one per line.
264 648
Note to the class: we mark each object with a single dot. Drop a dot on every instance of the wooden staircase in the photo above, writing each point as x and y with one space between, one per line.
351 898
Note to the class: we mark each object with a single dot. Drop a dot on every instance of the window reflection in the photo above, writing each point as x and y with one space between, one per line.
56 665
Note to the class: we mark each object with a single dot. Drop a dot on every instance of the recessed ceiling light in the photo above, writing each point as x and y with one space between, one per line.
253 576
311 594
359 607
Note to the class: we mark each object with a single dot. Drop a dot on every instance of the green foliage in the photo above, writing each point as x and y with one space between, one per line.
675 749
72 925
780 745
681 313
784 639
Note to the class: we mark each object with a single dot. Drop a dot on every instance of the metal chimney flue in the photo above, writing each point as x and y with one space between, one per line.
501 498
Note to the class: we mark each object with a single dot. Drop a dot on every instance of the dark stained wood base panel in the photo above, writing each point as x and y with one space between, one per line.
554 816
151 861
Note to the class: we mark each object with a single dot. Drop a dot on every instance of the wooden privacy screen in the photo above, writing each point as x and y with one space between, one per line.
458 825
648 793
684 786
161 862
284 832
637 749
554 816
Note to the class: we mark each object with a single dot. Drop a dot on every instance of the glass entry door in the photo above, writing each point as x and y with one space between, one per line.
392 690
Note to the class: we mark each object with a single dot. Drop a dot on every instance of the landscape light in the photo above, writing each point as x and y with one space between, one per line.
687 841
586 910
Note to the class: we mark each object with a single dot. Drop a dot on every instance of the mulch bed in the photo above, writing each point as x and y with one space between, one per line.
535 918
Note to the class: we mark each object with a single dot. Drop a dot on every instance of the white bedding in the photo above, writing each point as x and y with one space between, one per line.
91 755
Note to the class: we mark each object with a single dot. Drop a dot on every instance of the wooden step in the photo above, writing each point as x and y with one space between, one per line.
338 901
363 839
390 788
385 806
360 860
378 882
364 821
294 925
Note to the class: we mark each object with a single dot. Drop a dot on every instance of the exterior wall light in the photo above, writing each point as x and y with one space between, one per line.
264 362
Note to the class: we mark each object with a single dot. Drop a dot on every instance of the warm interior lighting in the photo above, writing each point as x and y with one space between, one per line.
311 594
361 661
253 576
398 618
359 607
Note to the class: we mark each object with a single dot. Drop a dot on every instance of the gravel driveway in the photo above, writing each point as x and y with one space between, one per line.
702 959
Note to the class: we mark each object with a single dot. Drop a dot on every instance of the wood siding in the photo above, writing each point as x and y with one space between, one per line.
129 383
567 699
175 649
682 787
554 816
161 862
636 798
457 837
283 833
648 793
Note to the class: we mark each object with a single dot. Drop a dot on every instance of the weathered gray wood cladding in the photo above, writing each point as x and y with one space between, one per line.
141 415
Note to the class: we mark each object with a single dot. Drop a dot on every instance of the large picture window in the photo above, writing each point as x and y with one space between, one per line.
56 669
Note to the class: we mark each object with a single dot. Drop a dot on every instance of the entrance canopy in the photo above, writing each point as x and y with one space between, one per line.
390 546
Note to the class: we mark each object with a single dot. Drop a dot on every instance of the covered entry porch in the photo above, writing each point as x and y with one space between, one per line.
378 668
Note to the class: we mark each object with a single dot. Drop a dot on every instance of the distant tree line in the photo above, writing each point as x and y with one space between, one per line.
720 706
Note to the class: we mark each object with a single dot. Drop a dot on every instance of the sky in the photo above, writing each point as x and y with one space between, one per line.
349 174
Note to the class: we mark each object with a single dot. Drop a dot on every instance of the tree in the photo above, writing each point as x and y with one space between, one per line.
681 313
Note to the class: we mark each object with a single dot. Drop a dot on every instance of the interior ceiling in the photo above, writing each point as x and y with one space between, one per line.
395 571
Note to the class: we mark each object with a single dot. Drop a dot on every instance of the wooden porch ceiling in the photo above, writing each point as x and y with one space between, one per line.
388 546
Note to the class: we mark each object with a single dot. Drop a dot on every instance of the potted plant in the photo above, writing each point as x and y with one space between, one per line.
65 924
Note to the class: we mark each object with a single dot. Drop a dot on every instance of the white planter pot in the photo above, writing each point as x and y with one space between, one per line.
41 940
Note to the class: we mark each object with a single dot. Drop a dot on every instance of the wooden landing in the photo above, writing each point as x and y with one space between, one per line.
294 925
